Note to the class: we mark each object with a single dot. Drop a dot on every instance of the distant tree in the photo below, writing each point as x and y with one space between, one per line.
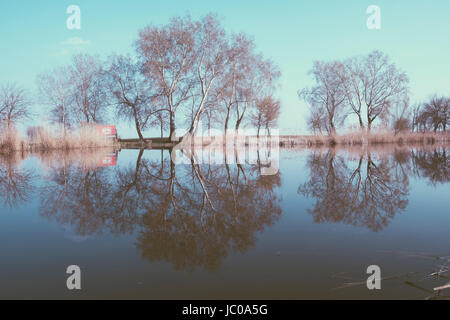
432 115
383 83
400 114
372 84
328 95
34 132
437 112
15 105
401 124
56 91
266 114
317 121
88 91
261 82
415 117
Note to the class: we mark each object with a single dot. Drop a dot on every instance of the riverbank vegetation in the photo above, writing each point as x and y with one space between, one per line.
41 139
194 74
371 91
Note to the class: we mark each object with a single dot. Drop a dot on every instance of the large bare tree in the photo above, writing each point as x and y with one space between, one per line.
369 85
383 84
373 83
167 53
203 72
130 92
210 47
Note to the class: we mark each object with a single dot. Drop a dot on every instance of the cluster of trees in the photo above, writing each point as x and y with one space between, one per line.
367 88
75 93
185 72
433 115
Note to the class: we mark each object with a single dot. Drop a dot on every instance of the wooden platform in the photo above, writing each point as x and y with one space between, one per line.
150 143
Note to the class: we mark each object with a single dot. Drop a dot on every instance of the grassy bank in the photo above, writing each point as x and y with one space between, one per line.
43 140
356 138
368 138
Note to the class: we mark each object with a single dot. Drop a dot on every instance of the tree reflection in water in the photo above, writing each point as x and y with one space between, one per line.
433 165
368 192
195 215
190 215
16 182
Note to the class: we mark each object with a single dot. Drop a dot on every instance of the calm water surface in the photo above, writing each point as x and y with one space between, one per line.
141 227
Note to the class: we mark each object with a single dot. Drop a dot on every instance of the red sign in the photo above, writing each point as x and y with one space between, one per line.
107 161
107 130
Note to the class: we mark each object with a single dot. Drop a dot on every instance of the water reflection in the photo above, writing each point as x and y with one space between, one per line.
433 165
368 187
16 183
189 215
366 192
195 215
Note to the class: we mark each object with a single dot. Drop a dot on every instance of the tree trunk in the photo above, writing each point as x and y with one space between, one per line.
171 124
361 124
226 121
332 128
138 127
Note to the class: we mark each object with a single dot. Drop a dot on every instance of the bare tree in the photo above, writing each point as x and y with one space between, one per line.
400 115
437 112
14 104
130 93
166 54
89 96
317 121
372 84
202 72
236 69
328 95
56 92
265 114
351 76
261 81
210 48
369 85
383 83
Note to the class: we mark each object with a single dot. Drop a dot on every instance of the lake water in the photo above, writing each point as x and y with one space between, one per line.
141 227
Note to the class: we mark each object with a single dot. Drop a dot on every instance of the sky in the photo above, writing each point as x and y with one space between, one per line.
414 34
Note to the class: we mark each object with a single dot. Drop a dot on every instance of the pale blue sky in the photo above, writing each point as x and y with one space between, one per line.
415 34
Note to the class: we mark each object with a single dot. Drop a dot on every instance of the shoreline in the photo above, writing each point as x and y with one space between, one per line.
283 141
